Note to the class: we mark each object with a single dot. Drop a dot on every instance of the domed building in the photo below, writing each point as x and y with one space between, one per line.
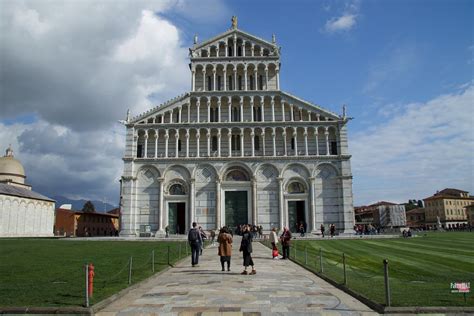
23 212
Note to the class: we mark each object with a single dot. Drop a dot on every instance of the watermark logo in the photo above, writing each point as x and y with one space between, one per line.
460 287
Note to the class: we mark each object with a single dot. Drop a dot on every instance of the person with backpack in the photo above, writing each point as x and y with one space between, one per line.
195 241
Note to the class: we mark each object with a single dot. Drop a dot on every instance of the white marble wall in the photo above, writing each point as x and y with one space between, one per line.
23 217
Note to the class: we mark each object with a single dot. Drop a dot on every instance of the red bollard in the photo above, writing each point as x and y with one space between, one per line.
91 279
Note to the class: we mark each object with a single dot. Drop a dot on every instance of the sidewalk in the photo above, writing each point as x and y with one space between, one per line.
279 287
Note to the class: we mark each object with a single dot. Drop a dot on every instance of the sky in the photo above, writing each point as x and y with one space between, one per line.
69 70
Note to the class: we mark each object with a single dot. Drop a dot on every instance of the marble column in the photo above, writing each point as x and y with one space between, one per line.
176 137
252 137
305 134
218 203
241 142
273 109
146 145
167 136
274 142
161 183
156 143
254 201
208 142
218 142
192 202
282 201
187 143
326 134
312 212
198 136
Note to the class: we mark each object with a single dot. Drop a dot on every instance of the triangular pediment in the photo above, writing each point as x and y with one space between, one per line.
177 102
309 106
239 34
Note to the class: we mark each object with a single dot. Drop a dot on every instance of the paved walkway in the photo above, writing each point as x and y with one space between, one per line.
279 287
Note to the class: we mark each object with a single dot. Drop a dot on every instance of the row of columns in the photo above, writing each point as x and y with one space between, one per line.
235 86
242 152
234 48
293 108
283 216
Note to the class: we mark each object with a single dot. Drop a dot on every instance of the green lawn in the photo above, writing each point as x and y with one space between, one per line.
420 268
49 272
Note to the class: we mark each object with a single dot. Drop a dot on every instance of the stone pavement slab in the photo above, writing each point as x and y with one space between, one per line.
280 287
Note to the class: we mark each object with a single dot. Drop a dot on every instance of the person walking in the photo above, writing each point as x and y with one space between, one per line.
285 242
301 229
203 237
332 230
195 241
274 242
246 249
225 247
213 236
322 230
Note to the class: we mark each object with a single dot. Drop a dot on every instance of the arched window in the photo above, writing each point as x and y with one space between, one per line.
240 82
235 142
209 81
179 144
219 83
235 114
295 188
251 82
261 82
230 83
214 143
236 175
257 142
239 51
177 189
230 51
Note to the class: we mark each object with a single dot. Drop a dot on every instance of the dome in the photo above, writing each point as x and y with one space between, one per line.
11 169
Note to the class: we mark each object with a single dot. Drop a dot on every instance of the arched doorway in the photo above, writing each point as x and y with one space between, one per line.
297 206
177 209
237 197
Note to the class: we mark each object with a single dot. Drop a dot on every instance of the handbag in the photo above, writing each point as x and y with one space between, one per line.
275 253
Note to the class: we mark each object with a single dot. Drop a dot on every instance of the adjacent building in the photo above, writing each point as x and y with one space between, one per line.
23 212
236 149
447 208
381 214
416 218
71 223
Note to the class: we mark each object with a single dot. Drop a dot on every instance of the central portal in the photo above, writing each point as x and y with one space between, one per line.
296 215
236 208
177 218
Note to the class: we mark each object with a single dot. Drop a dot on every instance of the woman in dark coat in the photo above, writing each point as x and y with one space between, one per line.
246 248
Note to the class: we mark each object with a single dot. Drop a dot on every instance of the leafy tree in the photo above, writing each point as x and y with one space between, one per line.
88 207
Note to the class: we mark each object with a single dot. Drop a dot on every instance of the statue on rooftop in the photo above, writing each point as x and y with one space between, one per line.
234 21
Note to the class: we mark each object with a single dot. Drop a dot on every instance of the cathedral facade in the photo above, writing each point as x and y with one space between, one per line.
236 149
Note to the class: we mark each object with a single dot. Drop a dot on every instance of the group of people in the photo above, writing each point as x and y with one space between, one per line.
332 230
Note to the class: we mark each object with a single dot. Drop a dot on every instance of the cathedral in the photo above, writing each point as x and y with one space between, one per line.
236 149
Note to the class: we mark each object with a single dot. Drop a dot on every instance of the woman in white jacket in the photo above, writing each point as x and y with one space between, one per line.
274 241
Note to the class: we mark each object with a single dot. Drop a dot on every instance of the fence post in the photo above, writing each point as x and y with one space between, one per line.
344 266
387 285
179 251
168 255
153 260
295 251
321 260
86 269
305 255
130 270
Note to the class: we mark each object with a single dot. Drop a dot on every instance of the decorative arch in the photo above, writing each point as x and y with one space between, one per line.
236 174
267 172
296 186
322 170
145 170
177 172
295 169
226 168
177 187
204 173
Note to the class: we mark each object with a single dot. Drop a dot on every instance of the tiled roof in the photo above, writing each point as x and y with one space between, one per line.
21 192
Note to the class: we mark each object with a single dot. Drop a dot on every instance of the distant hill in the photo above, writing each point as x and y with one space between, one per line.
78 204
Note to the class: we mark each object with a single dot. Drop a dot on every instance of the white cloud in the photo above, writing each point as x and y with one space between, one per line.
29 20
76 67
342 23
423 148
345 21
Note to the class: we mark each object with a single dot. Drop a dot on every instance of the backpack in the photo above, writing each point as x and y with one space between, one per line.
193 235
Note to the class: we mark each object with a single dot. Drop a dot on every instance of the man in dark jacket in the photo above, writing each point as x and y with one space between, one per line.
246 249
195 241
285 242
